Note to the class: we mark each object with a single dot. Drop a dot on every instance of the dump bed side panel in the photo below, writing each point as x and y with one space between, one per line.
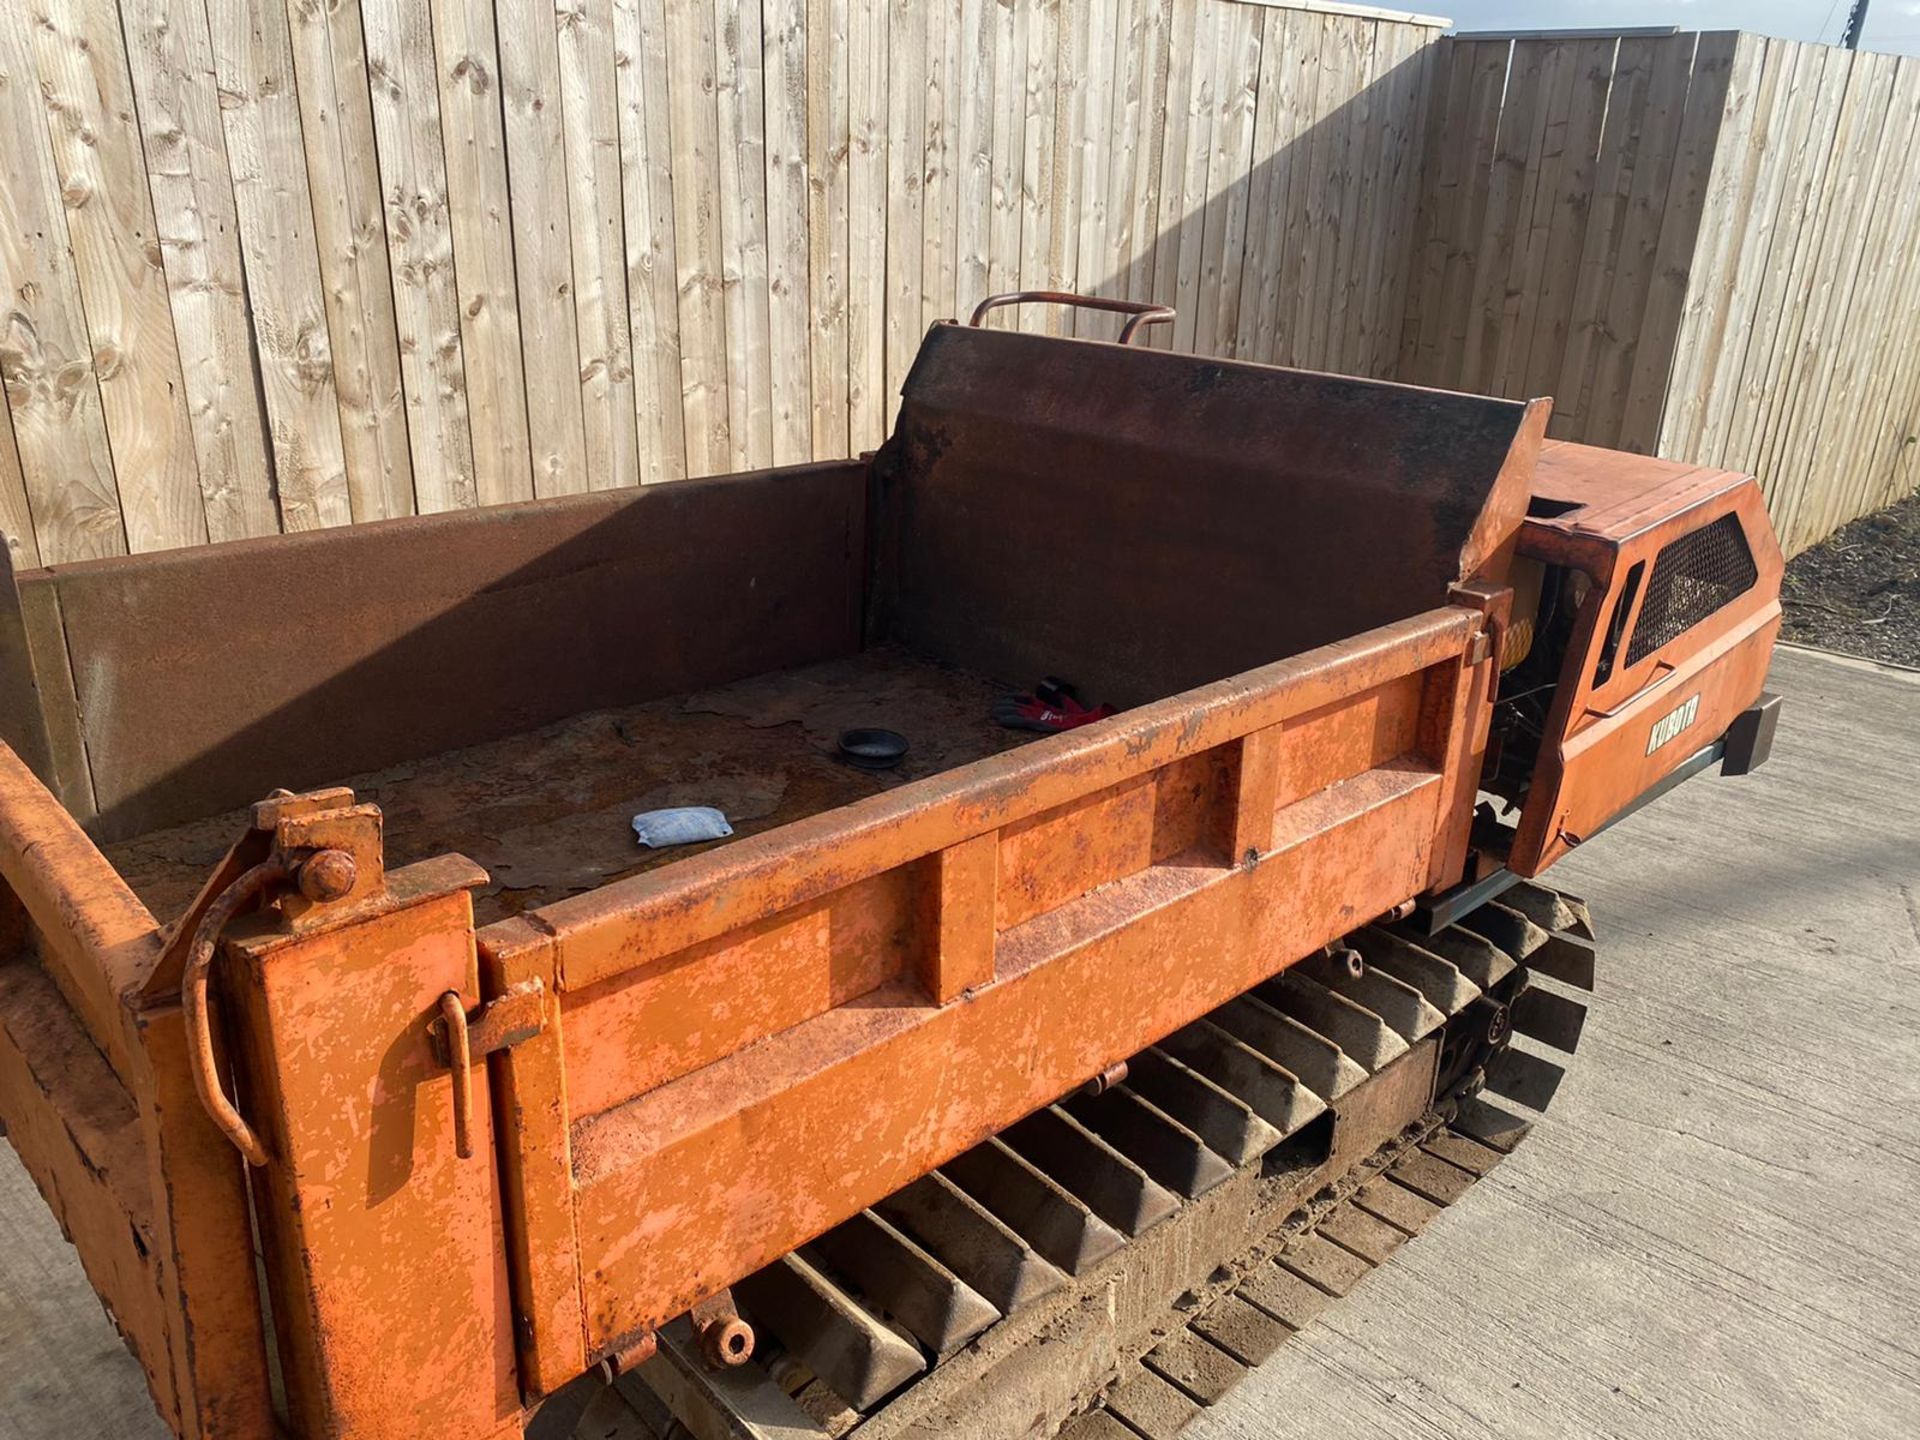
750 1046
1144 522
207 677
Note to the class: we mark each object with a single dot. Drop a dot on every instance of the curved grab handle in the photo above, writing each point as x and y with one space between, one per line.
193 999
1653 682
1142 312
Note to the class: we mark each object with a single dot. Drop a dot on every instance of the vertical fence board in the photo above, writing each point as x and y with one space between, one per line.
1182 99
542 244
1861 372
198 233
828 143
484 285
1288 77
1730 187
350 238
1037 194
1415 76
1229 175
1359 115
784 69
1679 231
743 232
53 399
1069 121
972 87
867 218
694 133
1887 436
1821 351
596 199
1147 137
939 182
16 515
1101 55
906 170
116 256
406 123
263 144
653 299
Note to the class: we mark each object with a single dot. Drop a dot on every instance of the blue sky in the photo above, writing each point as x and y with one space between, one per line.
1892 25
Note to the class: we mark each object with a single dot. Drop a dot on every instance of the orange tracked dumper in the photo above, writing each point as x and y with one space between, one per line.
389 1110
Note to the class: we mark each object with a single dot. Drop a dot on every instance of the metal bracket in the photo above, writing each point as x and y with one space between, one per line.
512 1018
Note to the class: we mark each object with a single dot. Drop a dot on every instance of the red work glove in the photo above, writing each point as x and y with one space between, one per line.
1052 708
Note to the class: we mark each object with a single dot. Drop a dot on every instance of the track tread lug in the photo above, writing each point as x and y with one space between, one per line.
1159 1144
1111 1185
1366 1038
1396 1204
1318 1260
1367 1236
1475 956
972 1242
1446 988
1507 928
1054 1221
1152 1405
1268 1088
1194 1365
744 1398
1407 1012
1097 1425
1431 1177
1243 1330
860 1358
1219 1117
1299 1049
1284 1295
896 1275
1461 1150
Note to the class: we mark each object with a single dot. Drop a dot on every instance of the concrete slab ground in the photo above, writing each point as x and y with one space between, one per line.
1715 1234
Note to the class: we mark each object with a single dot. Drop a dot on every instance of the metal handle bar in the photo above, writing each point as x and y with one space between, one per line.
1142 312
193 999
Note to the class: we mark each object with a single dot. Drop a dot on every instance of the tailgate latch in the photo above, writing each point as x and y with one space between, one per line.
458 1039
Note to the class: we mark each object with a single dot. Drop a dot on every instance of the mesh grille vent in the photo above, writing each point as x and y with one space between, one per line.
1692 577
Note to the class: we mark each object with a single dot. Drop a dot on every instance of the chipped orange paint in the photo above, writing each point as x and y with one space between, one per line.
634 1031
847 1104
369 1213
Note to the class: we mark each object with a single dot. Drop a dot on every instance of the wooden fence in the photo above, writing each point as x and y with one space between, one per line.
279 265
1798 352
276 264
1700 245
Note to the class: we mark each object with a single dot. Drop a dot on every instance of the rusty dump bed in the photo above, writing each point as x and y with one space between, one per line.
545 812
503 1095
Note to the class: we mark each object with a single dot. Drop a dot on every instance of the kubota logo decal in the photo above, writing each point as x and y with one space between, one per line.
1670 725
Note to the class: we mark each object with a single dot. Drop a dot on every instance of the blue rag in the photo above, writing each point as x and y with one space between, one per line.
680 825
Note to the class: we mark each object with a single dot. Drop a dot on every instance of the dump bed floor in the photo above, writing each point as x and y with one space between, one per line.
548 812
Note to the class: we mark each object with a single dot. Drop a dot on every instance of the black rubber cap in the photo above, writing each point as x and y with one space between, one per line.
873 749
